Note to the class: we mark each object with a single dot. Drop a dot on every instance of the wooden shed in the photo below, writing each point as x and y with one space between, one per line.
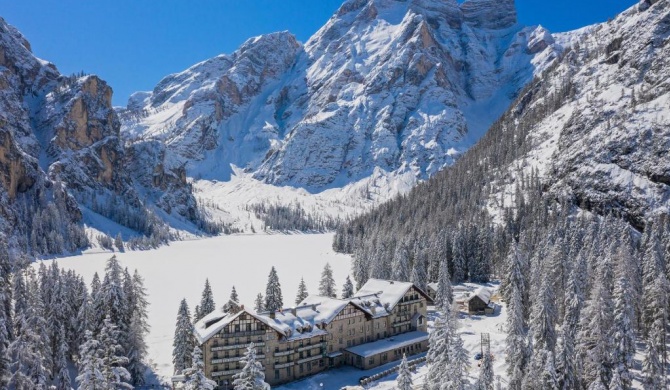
480 302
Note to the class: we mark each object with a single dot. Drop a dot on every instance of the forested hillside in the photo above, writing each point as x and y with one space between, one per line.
565 200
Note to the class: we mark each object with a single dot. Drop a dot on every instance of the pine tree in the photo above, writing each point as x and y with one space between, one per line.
485 380
624 335
401 266
459 363
183 340
113 359
444 296
62 378
196 374
438 352
404 381
327 283
302 292
419 275
347 289
206 305
91 366
258 304
137 331
252 376
273 295
567 364
517 351
360 267
5 312
233 304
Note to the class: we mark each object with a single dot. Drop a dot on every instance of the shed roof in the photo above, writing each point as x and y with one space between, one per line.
391 343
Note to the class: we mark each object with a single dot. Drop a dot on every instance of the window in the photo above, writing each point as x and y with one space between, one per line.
276 374
288 371
237 328
371 361
302 368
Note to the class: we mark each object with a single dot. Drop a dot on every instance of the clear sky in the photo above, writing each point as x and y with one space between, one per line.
132 44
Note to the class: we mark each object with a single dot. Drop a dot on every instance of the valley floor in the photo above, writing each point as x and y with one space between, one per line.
179 271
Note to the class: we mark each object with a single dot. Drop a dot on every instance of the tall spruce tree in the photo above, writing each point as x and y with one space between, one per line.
91 366
404 380
206 305
183 343
327 283
196 373
273 295
347 289
5 312
252 376
302 292
233 304
444 295
259 303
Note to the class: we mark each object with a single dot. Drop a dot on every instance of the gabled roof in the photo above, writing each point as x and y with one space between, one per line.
389 292
482 293
326 308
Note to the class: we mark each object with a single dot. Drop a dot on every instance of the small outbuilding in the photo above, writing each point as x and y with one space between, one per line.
480 302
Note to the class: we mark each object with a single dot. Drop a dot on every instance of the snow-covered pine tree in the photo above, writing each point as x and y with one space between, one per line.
27 350
567 363
206 305
91 366
419 274
196 379
459 259
401 267
113 297
233 304
62 380
624 334
517 350
112 355
118 243
5 311
252 376
347 289
258 303
302 292
183 343
360 267
97 309
273 295
327 283
444 296
486 377
404 380
595 335
458 365
438 355
137 331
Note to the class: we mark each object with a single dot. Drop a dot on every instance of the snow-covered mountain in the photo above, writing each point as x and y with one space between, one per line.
404 86
62 161
604 143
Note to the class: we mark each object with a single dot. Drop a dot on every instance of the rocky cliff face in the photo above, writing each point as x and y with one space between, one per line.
61 149
401 85
604 143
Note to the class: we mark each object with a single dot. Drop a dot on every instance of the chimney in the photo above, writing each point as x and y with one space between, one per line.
294 312
272 314
241 307
314 307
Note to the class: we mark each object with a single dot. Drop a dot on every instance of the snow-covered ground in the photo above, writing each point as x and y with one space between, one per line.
179 271
229 201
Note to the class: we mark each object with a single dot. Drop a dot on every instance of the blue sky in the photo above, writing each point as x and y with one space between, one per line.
132 44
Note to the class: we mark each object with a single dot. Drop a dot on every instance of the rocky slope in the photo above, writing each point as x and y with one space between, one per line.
61 156
605 144
401 85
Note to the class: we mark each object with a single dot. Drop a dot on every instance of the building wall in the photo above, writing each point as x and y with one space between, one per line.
367 363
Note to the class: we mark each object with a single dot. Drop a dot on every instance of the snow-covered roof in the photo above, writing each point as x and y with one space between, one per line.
212 324
483 293
433 286
326 308
388 292
379 346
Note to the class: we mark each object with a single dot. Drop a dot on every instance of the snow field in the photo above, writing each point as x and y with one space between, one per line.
179 271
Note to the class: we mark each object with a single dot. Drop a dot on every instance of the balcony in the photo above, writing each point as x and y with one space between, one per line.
283 353
243 333
234 346
309 359
233 359
401 323
225 373
283 365
312 346
409 301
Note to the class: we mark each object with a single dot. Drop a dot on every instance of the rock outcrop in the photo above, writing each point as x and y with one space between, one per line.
404 86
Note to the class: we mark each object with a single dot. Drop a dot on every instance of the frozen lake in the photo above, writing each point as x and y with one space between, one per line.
179 271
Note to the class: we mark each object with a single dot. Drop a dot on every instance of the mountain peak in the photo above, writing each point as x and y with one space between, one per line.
490 14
